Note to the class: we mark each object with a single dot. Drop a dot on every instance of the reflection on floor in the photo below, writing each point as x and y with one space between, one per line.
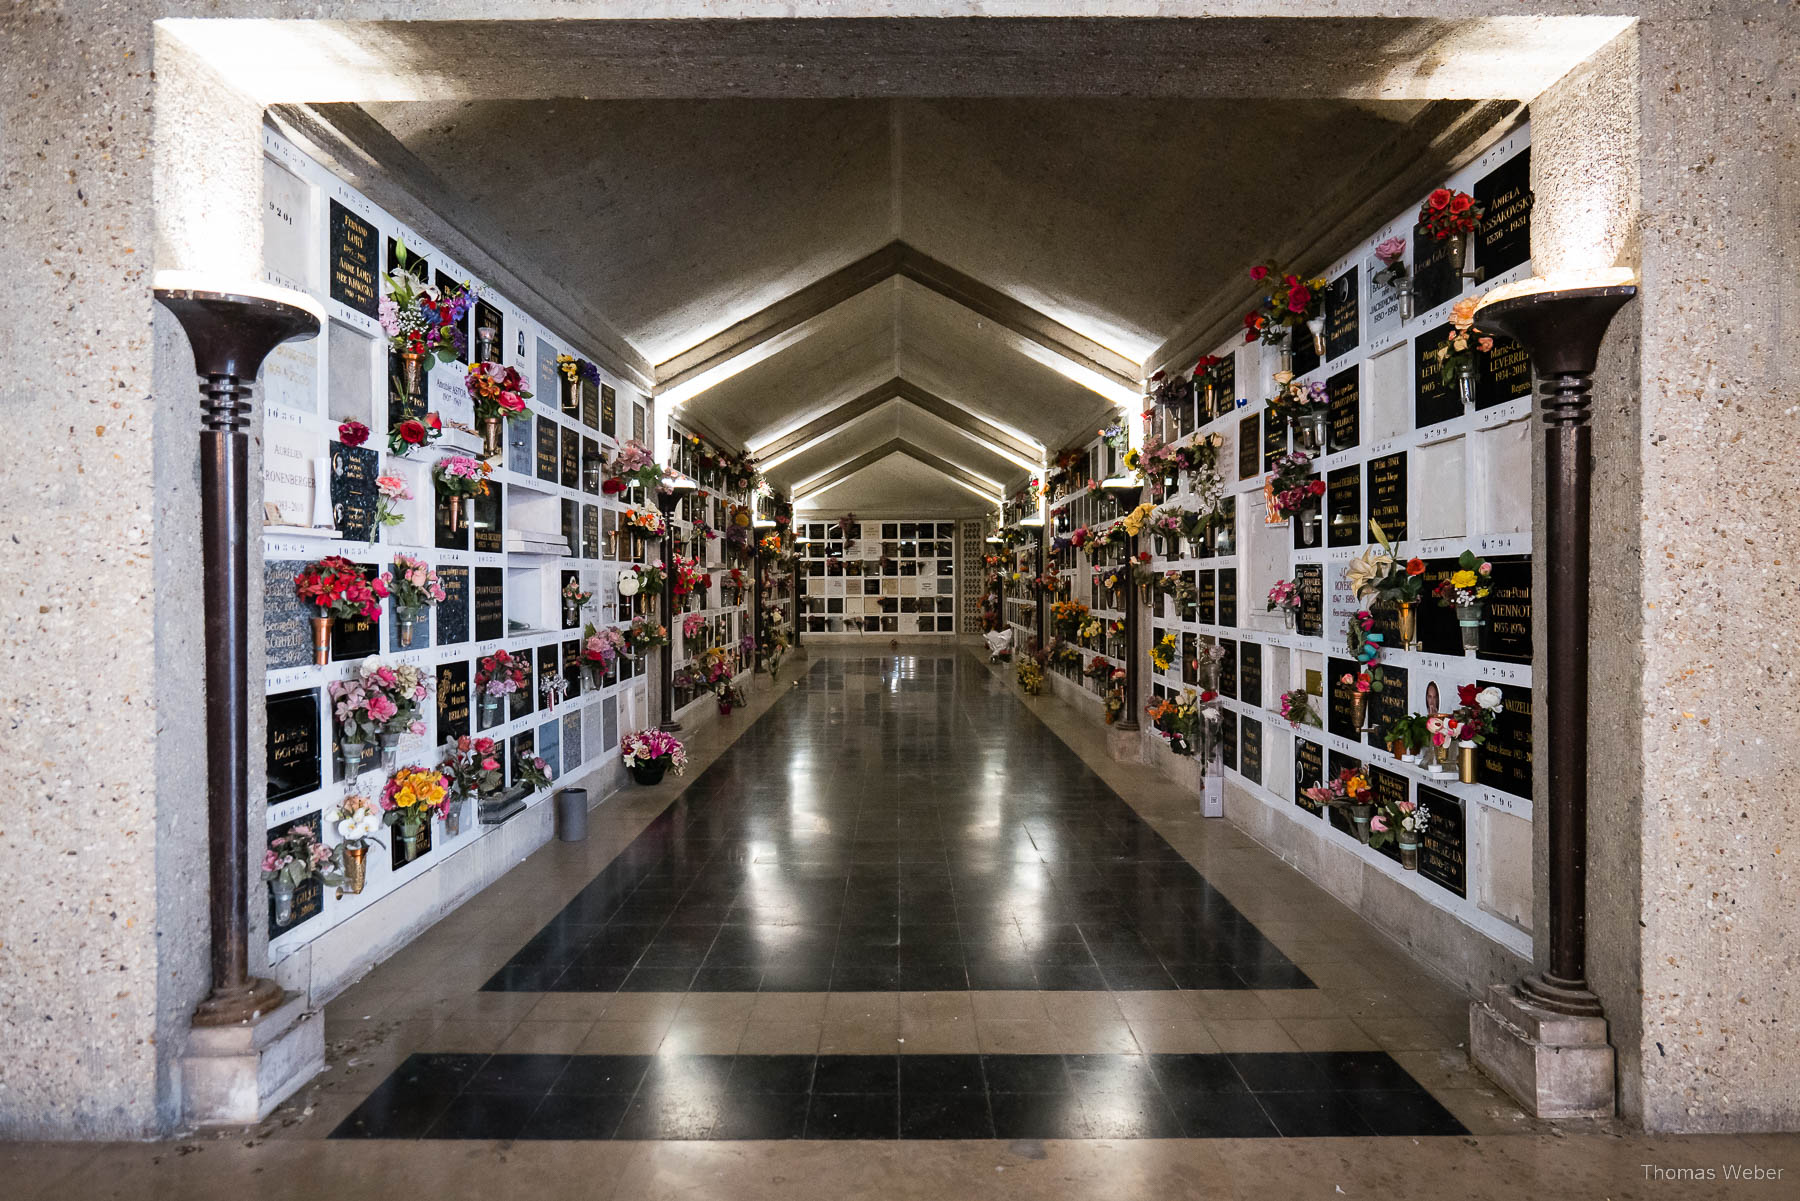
897 824
1335 1094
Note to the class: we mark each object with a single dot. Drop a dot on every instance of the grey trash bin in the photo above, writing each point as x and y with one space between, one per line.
571 814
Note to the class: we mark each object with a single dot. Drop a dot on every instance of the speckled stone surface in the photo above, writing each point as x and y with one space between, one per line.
101 952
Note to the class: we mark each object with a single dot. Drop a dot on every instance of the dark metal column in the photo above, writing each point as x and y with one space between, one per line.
1128 715
665 501
756 604
1041 600
1562 331
230 336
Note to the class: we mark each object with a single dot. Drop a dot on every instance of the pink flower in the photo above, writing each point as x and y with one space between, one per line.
490 764
1378 824
380 708
418 727
271 861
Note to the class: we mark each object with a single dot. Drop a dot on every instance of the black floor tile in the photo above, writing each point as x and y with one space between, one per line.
394 1110
1281 1072
1129 1114
762 1116
853 1115
1362 1070
770 1074
571 1116
1025 1074
941 1074
1314 1115
485 1116
1205 1075
673 1114
595 1075
1037 1115
1221 1115
856 1074
945 1115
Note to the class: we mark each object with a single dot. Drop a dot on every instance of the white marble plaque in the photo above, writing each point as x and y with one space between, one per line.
288 443
290 376
1382 316
287 228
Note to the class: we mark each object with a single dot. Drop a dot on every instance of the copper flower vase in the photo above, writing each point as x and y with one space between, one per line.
321 632
412 373
356 868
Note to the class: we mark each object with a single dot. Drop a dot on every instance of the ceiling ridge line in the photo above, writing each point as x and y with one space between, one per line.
893 446
986 434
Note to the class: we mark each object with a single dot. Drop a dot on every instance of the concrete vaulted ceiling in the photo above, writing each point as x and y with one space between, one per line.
978 280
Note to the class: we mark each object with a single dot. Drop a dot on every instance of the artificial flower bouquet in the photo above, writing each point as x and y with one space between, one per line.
337 588
297 856
1392 253
413 584
650 577
1030 674
352 433
1163 653
1291 301
690 576
1293 400
498 392
1475 712
1067 617
1350 789
634 466
1296 706
499 675
1458 355
459 475
1293 488
357 821
411 796
691 625
602 647
1448 213
409 435
390 490
646 632
575 596
652 752
419 319
1181 721
1285 598
533 771
1403 821
1468 585
645 522
472 767
1113 700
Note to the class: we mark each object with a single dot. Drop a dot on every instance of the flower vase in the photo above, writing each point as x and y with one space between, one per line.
390 749
571 614
1435 757
453 818
1288 617
724 708
321 631
486 337
453 515
405 620
1469 618
1316 327
1309 527
351 755
1409 624
356 867
412 373
1397 748
1409 855
649 774
1359 709
1465 382
490 437
1222 542
1309 429
571 395
1143 594
1465 762
409 843
1287 349
490 710
1359 819
282 890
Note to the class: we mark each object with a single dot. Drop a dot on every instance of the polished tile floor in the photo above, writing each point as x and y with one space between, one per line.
895 823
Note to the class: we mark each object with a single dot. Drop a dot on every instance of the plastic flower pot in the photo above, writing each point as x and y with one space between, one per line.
283 892
1409 855
390 749
1470 618
649 774
1359 818
405 620
351 755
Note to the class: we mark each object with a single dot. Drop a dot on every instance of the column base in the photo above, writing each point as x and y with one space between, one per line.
1555 1065
1123 745
235 1075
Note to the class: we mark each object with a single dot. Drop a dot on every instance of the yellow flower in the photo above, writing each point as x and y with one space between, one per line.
1463 579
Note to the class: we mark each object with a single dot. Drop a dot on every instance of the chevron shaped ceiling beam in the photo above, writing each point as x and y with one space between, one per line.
1026 453
981 486
680 372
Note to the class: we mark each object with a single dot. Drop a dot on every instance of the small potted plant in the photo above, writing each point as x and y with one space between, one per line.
336 588
1466 590
458 478
472 767
409 799
291 860
498 394
1407 736
414 587
650 753
357 821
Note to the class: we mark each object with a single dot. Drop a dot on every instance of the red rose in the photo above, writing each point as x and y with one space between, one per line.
1466 694
1415 567
1292 281
1461 202
612 487
1298 299
1438 200
434 422
353 433
412 433
1316 487
1258 274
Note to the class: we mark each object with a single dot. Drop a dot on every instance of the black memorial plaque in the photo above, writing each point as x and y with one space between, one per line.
1443 848
1507 634
1310 579
590 531
1343 506
546 449
1190 665
590 404
452 700
609 411
397 859
1437 267
1343 312
490 604
1250 750
1228 737
356 637
1275 440
1390 789
1504 760
1309 772
1228 596
293 744
1339 817
571 517
488 533
450 287
525 699
1206 605
1504 239
352 265
453 610
1434 397
549 664
1250 673
1345 420
309 894
1340 713
571 665
571 458
450 526
1389 705
1228 668
354 496
489 317
1306 355
287 620
1250 446
1224 376
1505 374
1386 488
1439 633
